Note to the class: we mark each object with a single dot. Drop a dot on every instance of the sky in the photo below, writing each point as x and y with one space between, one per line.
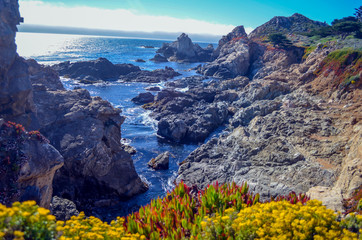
213 17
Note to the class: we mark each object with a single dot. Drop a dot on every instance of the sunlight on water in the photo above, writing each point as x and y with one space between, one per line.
31 45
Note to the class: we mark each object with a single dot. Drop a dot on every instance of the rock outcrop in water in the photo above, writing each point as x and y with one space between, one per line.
184 50
96 70
191 116
155 76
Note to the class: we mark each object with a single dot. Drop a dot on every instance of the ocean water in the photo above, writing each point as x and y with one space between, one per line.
139 130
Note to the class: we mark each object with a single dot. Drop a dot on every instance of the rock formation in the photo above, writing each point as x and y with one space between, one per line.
183 50
295 127
27 165
28 161
143 98
86 131
161 162
95 70
16 102
232 56
63 209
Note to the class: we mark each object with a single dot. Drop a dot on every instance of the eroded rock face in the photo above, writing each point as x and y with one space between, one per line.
28 164
86 131
16 102
184 50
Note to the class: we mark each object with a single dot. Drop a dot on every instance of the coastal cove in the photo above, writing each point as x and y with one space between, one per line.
139 129
256 137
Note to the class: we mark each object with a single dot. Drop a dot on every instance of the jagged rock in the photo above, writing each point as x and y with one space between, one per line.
183 50
161 162
28 165
297 23
154 76
94 70
237 33
268 63
63 209
86 131
265 153
232 56
143 98
159 58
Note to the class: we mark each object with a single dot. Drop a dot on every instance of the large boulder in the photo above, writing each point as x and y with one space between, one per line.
143 98
161 162
184 50
28 165
94 70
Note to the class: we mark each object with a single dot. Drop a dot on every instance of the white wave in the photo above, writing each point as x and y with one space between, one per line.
144 179
183 89
149 121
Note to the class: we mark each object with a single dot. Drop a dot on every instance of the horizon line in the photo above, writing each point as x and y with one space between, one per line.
167 36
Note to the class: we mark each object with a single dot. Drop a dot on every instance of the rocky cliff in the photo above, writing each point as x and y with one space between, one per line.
84 129
16 102
294 127
28 161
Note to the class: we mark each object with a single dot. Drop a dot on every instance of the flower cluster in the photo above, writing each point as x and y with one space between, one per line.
26 221
80 227
223 211
276 220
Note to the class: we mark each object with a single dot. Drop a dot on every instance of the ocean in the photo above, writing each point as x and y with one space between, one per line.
139 130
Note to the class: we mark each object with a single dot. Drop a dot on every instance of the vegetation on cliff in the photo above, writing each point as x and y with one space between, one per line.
219 212
347 66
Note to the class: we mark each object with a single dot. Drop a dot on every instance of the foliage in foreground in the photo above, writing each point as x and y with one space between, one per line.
219 212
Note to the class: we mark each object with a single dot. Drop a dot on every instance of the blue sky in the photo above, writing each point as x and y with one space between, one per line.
222 15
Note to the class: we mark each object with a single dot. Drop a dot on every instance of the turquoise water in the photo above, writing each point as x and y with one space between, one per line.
139 130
